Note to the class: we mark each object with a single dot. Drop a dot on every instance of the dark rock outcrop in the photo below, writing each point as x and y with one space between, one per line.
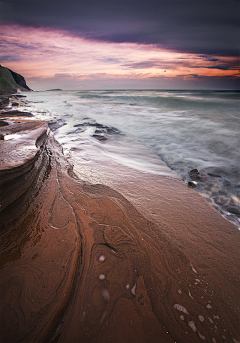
19 79
11 82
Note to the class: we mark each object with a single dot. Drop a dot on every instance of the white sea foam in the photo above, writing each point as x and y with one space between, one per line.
190 295
133 289
201 336
192 325
193 269
105 294
180 308
162 122
101 258
14 136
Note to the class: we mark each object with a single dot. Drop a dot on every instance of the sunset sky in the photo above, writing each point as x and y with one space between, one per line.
103 44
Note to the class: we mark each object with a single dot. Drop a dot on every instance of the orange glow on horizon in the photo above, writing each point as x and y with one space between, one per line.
41 53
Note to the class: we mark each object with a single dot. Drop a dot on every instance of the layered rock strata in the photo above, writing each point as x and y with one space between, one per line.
79 263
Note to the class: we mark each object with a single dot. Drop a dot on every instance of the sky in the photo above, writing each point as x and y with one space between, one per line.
119 44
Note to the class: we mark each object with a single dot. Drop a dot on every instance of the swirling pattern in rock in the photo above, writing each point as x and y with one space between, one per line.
81 264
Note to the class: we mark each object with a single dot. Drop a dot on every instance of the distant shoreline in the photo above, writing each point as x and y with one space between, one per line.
56 89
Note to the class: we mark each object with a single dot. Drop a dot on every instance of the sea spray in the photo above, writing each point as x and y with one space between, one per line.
185 129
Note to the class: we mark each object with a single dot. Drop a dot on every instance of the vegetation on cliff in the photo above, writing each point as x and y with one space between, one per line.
11 82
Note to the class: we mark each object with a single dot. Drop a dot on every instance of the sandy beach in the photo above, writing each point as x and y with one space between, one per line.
84 262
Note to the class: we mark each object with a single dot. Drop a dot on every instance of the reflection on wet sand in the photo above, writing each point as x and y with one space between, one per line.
79 263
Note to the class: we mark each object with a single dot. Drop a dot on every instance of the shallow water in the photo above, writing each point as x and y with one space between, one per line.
142 129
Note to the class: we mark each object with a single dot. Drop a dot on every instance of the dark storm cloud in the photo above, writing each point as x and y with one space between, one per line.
207 58
232 64
201 26
220 67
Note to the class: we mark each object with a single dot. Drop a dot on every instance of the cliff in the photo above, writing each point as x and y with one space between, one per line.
11 82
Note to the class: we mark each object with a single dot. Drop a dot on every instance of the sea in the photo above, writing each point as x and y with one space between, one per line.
192 135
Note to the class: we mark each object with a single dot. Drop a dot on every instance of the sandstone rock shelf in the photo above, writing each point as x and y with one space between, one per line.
80 262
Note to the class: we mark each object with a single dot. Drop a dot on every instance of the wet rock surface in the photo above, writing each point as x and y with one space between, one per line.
79 263
56 124
4 101
192 184
217 190
101 133
15 113
22 163
194 174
